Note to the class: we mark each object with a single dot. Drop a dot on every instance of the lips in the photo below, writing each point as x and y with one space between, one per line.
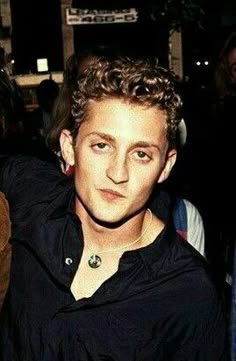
111 194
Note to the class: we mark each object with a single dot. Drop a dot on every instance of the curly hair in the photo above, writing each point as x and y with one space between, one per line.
61 116
136 81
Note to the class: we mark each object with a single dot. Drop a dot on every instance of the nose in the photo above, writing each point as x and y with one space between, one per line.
117 170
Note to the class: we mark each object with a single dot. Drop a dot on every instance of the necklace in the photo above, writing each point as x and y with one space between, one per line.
95 261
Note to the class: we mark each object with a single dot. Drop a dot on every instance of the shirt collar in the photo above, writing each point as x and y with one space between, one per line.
154 255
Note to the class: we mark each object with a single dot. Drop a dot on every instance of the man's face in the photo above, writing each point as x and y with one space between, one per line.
121 152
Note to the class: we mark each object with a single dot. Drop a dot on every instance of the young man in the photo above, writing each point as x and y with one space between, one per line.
95 275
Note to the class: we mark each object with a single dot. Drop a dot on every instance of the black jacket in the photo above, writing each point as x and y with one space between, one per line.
160 305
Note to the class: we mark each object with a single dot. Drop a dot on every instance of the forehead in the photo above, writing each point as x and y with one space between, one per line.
126 121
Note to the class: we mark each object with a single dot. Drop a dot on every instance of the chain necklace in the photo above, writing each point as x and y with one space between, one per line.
95 261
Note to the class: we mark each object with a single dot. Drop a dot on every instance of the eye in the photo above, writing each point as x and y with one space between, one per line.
100 147
142 156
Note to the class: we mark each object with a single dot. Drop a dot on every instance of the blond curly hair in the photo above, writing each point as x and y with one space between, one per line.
136 81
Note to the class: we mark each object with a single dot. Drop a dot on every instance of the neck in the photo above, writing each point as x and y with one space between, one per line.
102 236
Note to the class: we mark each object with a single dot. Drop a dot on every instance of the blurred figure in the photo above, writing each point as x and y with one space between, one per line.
225 82
5 248
39 121
195 233
225 73
9 126
224 128
47 92
12 112
233 310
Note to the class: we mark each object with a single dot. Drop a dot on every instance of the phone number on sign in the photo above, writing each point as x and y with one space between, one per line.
101 19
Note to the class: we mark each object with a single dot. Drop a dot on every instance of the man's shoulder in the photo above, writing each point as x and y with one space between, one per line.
184 260
189 281
27 167
186 294
24 178
27 164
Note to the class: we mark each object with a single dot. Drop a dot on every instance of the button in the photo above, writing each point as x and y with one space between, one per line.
68 261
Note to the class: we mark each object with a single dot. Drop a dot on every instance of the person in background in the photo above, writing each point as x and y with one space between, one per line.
224 128
19 130
225 80
47 92
39 120
232 315
12 112
8 109
225 71
124 285
5 247
195 233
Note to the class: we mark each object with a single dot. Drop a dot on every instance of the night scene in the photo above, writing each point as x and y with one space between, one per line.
117 238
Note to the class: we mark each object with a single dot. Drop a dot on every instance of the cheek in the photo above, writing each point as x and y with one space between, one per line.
148 174
144 182
86 170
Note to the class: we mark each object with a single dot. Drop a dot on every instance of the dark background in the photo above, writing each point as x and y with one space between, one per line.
36 32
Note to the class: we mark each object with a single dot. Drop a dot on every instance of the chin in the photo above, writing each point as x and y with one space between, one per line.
108 219
105 218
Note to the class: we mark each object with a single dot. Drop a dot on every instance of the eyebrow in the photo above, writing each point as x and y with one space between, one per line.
110 138
103 135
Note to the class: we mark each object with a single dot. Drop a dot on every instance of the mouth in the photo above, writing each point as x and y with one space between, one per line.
111 194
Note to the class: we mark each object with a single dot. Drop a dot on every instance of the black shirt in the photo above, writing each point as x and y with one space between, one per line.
159 306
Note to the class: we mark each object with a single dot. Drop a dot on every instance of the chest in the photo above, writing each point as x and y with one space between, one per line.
87 280
123 329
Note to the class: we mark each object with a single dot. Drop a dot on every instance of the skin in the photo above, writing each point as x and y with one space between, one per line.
120 153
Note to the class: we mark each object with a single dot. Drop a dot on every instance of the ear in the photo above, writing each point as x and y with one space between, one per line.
169 163
67 148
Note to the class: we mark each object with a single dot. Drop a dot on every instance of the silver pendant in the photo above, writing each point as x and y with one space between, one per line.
94 261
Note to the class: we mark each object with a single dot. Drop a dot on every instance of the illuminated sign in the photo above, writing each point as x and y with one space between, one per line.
86 16
42 64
